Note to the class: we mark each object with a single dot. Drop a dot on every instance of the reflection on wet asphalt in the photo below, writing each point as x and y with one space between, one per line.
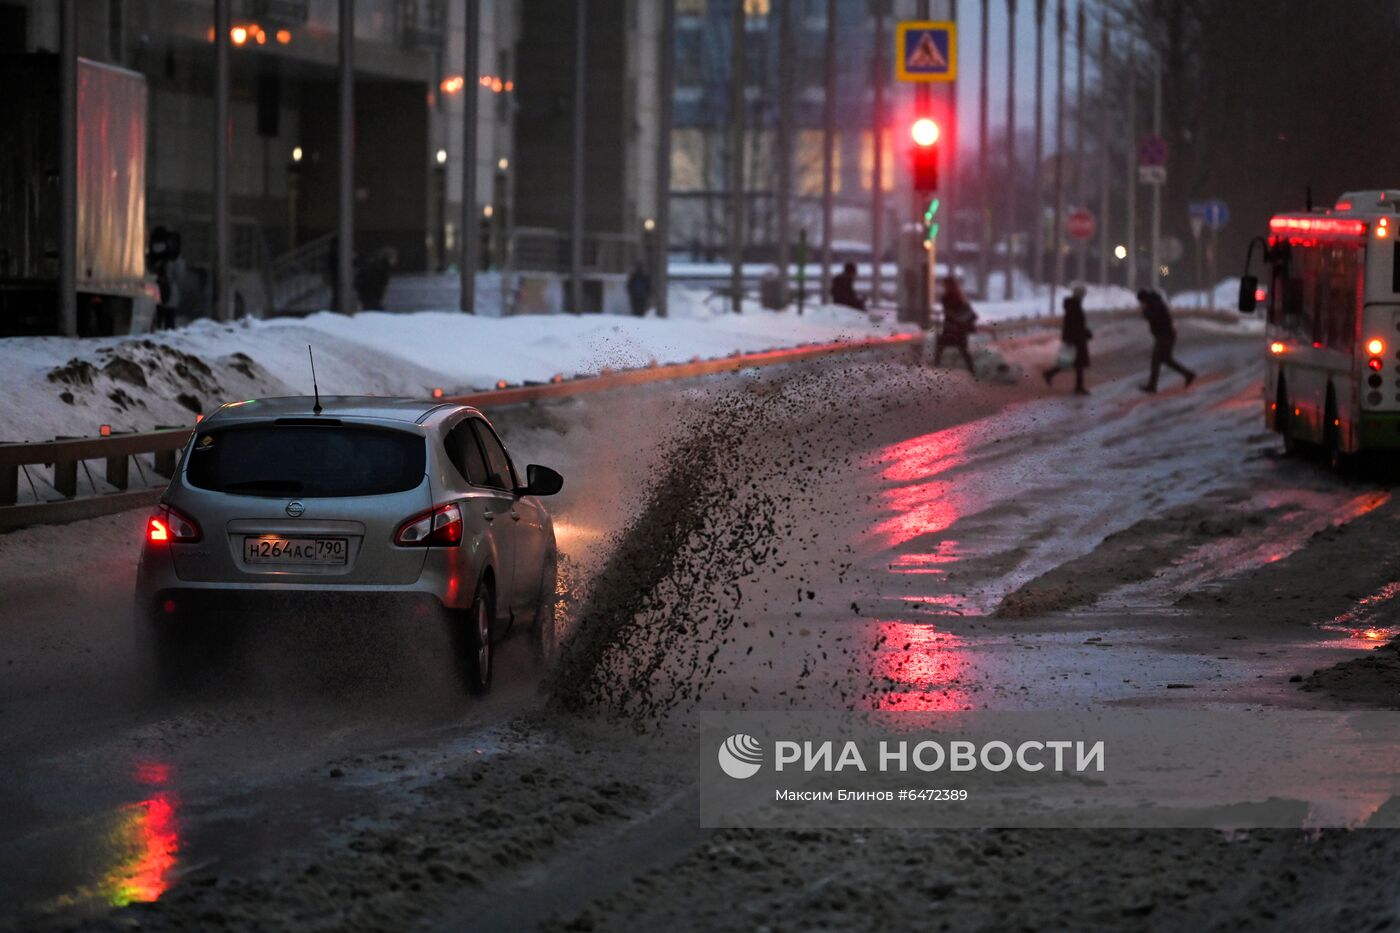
851 537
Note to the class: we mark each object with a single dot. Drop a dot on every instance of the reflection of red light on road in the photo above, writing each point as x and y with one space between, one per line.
921 506
946 553
918 667
924 457
919 510
150 841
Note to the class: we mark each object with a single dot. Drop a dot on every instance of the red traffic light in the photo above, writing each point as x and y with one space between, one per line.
924 131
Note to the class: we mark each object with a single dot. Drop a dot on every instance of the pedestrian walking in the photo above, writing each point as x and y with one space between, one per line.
1074 341
843 288
959 323
1159 321
639 289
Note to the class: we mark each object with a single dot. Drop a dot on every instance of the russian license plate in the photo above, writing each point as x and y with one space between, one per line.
275 549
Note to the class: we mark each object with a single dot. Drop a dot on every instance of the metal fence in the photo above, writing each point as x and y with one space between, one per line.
540 249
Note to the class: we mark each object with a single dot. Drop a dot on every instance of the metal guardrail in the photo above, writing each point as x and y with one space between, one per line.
66 456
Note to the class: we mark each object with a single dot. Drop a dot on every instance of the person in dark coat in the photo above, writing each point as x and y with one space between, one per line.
163 260
1159 321
1074 333
639 289
372 278
959 322
843 288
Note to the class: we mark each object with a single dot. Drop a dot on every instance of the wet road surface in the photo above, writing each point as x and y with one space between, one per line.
862 534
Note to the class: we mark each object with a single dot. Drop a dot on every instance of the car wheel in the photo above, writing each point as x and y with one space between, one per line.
472 632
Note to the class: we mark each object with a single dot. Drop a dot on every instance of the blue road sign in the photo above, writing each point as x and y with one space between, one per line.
1217 214
1214 213
926 51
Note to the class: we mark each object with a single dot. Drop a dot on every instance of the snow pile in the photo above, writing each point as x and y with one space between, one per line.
1226 296
57 386
1035 301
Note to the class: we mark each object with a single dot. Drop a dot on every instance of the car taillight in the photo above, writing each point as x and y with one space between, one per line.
439 527
168 525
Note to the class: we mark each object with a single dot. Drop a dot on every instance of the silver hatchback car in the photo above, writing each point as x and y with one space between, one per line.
374 498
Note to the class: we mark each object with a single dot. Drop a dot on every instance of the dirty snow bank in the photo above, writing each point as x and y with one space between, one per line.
56 386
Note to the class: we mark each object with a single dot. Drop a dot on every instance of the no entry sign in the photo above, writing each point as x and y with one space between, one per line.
1080 224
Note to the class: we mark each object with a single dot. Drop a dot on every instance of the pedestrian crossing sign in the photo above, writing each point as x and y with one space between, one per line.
926 51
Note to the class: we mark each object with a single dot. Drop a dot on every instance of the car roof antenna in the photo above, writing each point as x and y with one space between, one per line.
316 409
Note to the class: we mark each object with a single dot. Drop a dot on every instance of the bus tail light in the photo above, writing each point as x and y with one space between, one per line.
1375 346
1277 348
167 526
1375 363
1382 228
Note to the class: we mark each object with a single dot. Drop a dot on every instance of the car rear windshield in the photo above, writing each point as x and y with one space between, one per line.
302 460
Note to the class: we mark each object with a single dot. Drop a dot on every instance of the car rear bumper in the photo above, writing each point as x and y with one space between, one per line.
440 584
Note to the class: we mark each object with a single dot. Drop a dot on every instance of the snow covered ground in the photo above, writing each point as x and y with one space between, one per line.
57 386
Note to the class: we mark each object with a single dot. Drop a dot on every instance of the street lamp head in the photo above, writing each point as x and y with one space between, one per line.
296 153
442 157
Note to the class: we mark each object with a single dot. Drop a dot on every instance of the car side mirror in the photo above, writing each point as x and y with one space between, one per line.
1249 285
542 481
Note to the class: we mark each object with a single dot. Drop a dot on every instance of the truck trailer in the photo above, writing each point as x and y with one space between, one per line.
114 293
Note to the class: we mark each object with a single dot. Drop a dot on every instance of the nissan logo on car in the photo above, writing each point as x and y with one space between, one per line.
295 508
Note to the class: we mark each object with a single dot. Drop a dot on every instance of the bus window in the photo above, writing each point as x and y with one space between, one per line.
1298 287
1336 312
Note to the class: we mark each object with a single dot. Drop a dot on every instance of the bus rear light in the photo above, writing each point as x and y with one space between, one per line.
1277 347
1317 226
1382 228
1375 363
1261 293
168 526
1375 346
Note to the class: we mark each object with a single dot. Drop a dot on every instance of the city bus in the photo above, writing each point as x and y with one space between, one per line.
1332 372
